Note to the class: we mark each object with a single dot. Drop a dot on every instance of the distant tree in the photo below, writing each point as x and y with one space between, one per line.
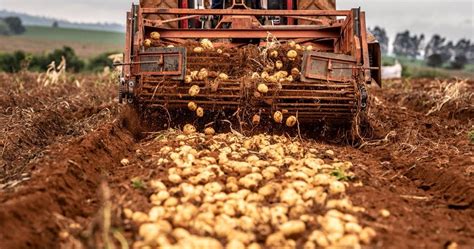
406 45
15 25
438 52
55 24
381 36
4 29
461 53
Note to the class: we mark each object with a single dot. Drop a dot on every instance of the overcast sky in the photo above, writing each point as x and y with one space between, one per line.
451 18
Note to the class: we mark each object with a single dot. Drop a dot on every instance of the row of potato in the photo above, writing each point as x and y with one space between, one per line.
235 192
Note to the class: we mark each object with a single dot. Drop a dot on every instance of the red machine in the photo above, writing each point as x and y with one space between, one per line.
168 45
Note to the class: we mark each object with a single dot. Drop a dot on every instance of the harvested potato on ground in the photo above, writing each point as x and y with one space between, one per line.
209 131
219 51
189 129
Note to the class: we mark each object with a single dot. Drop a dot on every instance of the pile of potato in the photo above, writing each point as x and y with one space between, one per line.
230 191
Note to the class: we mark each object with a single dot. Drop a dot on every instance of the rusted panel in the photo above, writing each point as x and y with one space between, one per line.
247 33
164 61
365 47
315 5
327 66
247 12
161 4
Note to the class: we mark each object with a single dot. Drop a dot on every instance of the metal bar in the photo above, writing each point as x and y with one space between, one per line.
289 6
184 22
365 47
246 12
245 33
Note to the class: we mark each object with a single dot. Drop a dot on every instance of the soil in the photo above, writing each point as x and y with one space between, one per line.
62 146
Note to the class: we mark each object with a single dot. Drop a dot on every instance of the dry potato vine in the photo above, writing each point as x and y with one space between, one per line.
230 191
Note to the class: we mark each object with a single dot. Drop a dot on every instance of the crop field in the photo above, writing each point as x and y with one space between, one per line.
86 43
78 170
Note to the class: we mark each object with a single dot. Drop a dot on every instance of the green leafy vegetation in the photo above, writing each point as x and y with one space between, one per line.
471 136
138 183
16 61
341 175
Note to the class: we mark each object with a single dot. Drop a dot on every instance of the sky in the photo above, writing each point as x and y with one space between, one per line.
450 18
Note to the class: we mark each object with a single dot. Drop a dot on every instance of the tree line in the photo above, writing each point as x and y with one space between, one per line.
436 52
11 26
19 60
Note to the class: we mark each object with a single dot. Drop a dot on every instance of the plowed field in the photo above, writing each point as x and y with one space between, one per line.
79 171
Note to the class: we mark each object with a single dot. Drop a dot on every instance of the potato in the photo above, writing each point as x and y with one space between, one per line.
147 43
207 44
188 79
255 76
174 178
192 106
194 75
235 244
189 129
278 64
200 112
274 54
337 187
139 217
291 121
385 213
223 76
292 54
209 131
219 51
292 227
155 36
278 117
170 46
264 75
292 44
198 50
262 88
125 162
203 74
149 231
309 48
366 235
194 90
256 119
295 72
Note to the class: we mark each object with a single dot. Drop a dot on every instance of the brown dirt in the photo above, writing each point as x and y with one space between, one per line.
418 167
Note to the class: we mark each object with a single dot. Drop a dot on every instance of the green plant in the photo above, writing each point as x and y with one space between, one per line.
98 63
138 183
341 175
471 136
